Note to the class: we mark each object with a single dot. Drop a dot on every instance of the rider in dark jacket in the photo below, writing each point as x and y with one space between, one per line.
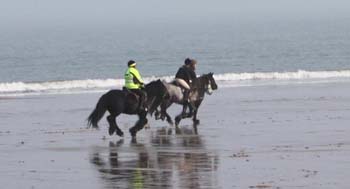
185 77
186 73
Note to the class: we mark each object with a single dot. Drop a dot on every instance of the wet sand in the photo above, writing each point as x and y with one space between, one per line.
287 136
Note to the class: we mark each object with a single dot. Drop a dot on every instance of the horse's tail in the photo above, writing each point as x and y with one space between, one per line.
97 113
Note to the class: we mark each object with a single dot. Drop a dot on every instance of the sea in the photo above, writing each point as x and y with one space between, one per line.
90 58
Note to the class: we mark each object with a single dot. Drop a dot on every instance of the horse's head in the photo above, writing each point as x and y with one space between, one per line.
210 83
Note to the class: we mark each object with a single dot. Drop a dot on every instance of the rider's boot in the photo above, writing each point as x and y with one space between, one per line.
142 105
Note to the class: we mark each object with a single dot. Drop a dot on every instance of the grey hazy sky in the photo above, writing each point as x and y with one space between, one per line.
46 12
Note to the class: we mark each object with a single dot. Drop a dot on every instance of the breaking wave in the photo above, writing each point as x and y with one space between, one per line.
299 75
14 88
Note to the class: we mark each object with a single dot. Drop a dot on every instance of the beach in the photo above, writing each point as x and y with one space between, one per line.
279 119
267 136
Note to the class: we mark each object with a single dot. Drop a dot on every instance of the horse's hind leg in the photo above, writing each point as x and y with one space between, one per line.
178 119
113 126
164 114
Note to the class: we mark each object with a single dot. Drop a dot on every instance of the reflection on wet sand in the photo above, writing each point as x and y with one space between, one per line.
167 161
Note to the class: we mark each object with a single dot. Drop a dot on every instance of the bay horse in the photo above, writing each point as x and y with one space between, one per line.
117 102
201 85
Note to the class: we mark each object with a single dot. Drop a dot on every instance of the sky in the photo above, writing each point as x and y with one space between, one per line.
90 12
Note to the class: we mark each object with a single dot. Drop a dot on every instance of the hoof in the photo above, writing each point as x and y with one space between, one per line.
120 133
177 121
169 131
196 122
162 117
133 140
111 130
157 115
132 132
171 123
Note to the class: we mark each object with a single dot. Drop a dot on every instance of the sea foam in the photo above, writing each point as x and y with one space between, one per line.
14 88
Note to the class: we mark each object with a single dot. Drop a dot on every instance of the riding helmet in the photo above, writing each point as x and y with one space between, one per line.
131 63
187 61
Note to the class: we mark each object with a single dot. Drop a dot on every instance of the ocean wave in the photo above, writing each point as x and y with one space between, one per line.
298 75
98 84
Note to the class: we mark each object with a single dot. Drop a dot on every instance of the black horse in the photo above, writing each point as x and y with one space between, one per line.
203 84
117 102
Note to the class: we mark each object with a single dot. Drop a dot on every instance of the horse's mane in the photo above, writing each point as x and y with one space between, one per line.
204 80
201 81
153 82
153 85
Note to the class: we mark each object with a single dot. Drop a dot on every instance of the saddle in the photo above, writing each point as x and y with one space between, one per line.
131 96
134 100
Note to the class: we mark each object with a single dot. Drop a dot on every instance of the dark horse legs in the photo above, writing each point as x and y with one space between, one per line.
183 116
193 112
162 113
139 124
113 126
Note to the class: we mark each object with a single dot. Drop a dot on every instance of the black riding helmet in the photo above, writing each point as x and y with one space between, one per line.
131 63
188 61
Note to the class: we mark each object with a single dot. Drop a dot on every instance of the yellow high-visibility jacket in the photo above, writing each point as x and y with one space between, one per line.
133 78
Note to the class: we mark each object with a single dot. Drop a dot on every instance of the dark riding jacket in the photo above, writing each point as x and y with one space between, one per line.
186 74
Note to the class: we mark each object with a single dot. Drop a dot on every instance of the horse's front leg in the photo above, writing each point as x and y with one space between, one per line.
139 124
195 111
195 120
182 116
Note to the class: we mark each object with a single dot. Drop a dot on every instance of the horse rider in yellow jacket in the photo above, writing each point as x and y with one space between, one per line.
134 83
